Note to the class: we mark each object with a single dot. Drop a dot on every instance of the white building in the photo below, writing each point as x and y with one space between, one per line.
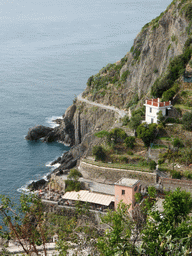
152 107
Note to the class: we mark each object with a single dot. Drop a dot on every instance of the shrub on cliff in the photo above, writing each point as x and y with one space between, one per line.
187 121
147 132
116 135
130 142
135 121
99 153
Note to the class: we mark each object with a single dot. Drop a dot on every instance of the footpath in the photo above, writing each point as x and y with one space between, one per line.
120 112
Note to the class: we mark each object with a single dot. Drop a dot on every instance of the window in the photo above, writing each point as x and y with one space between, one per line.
123 192
135 188
150 110
151 120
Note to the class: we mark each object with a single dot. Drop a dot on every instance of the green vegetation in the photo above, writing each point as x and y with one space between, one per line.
116 240
116 135
99 153
133 101
72 183
175 68
187 121
177 143
147 132
125 75
130 142
152 165
135 121
168 234
125 120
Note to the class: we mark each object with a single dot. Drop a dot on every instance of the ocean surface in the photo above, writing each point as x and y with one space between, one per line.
48 50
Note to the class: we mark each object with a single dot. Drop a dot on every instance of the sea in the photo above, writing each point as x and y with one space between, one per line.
48 50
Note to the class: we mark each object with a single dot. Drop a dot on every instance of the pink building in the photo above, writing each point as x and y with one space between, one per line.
125 190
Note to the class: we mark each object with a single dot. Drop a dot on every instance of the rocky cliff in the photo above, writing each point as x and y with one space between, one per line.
130 79
126 83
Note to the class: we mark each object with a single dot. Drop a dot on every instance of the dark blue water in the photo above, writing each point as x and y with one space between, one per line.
48 50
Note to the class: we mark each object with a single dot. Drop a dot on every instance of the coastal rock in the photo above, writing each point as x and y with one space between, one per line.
38 132
36 185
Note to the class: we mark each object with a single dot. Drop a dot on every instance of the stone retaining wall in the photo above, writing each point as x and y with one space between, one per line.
172 184
111 175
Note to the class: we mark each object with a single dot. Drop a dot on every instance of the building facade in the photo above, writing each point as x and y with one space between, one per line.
125 190
152 107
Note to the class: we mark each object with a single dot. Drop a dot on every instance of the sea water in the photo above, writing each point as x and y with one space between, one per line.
48 50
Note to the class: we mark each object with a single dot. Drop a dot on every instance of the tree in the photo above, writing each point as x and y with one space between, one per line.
135 121
116 240
147 132
116 135
187 121
99 153
26 225
169 232
72 183
130 142
160 117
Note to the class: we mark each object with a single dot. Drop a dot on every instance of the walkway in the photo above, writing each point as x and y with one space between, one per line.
120 112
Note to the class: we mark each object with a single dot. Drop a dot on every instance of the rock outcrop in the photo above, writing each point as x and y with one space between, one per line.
127 81
38 132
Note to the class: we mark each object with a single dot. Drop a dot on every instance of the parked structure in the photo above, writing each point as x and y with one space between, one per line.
125 190
153 106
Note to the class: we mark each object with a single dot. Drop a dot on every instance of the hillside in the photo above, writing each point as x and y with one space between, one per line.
129 80
159 64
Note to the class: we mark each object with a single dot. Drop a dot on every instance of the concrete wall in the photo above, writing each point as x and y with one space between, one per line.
111 175
172 184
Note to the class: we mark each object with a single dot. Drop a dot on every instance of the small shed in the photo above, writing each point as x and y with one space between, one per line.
153 106
125 190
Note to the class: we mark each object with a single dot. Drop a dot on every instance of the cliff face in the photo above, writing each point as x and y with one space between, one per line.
127 83
132 77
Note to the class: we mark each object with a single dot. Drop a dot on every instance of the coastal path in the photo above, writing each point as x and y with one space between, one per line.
120 112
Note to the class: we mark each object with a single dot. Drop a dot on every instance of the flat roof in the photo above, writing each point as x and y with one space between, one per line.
127 182
86 196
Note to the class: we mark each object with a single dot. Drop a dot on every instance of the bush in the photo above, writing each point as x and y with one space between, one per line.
168 95
130 142
161 161
187 121
74 174
125 75
72 185
99 153
125 120
176 174
130 153
188 175
138 197
135 121
177 143
188 12
116 135
152 165
147 133
101 134
175 68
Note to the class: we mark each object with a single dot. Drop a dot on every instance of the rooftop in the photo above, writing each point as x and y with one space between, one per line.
86 196
127 182
157 103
